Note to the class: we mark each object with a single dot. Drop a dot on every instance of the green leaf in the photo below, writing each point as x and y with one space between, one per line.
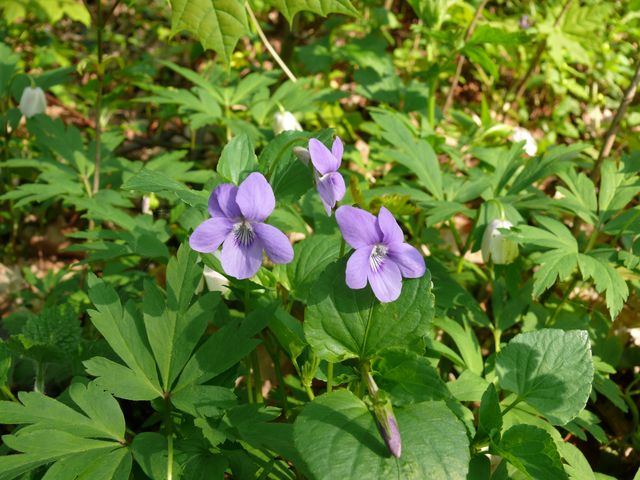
174 326
337 437
409 378
222 350
417 155
238 159
123 329
550 369
289 8
311 257
554 264
217 25
148 180
41 412
150 452
607 280
489 416
342 323
93 464
532 451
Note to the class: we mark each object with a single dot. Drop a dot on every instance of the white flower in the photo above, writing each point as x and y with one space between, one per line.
531 146
302 154
495 246
216 282
32 102
284 121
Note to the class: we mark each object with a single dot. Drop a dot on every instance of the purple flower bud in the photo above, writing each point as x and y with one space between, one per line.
329 182
388 427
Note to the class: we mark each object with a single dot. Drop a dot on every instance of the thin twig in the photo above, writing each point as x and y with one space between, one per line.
100 72
460 61
267 44
610 136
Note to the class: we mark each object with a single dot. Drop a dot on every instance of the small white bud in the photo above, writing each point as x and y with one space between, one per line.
522 134
32 102
216 282
495 246
302 154
284 121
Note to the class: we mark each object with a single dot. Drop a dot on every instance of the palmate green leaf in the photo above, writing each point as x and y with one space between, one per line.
148 180
415 154
289 8
554 264
173 325
342 323
123 329
217 25
607 280
337 437
550 369
84 446
532 451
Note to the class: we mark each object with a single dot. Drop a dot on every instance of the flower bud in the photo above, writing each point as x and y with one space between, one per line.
388 426
302 154
385 419
496 246
216 282
284 121
32 102
522 134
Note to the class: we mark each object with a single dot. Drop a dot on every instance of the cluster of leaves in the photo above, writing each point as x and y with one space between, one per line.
493 371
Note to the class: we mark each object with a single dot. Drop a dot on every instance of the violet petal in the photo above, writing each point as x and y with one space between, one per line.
408 259
358 227
322 159
331 188
358 268
208 236
222 202
241 261
391 231
386 281
337 149
255 197
275 243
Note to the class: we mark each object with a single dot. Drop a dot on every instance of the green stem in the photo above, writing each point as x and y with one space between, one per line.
249 381
38 386
169 432
497 333
456 237
8 393
257 378
268 45
275 357
342 247
329 377
98 112
511 405
310 393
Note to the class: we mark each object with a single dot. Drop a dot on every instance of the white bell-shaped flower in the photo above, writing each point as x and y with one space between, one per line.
496 246
32 101
522 134
284 121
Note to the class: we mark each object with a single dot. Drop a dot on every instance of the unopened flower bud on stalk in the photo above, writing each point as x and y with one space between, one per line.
522 134
496 246
385 419
32 101
302 154
216 282
284 121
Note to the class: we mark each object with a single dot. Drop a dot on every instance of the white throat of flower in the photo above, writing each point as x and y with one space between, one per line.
377 256
243 233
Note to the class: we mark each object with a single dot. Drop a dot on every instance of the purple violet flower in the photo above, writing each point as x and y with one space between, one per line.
381 255
329 182
238 215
